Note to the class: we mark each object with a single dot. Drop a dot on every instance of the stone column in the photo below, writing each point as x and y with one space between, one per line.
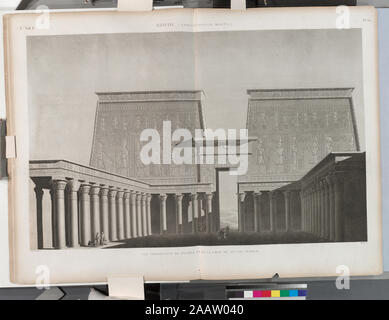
241 197
331 211
208 212
322 209
162 206
195 212
199 211
272 209
139 213
134 223
85 217
148 210
95 211
72 189
60 224
144 215
104 213
119 215
127 214
317 210
39 215
307 195
302 209
257 211
53 218
178 198
286 202
338 205
112 214
326 210
311 208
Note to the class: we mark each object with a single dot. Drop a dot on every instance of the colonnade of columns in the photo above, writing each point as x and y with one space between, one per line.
322 202
197 206
257 212
83 213
321 206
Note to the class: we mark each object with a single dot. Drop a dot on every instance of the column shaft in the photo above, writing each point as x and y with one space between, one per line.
85 216
208 213
112 215
60 224
195 213
73 187
127 215
95 213
163 220
241 211
286 201
139 213
272 209
104 214
179 228
120 215
39 216
149 232
338 198
144 215
134 222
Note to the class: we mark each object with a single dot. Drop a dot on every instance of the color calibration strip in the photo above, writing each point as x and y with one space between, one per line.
265 294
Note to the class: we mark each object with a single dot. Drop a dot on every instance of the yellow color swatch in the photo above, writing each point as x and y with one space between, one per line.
275 293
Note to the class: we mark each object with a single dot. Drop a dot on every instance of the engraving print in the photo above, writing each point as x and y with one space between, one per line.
298 94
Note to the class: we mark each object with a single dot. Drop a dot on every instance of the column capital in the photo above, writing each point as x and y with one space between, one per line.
94 190
194 196
144 196
242 196
178 196
84 188
112 192
149 197
104 191
133 195
257 194
139 196
39 191
286 193
127 194
59 184
120 194
209 196
73 185
163 197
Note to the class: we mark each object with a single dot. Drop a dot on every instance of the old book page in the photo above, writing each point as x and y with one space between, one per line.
112 114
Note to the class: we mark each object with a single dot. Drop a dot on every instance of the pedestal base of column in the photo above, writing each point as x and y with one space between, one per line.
71 245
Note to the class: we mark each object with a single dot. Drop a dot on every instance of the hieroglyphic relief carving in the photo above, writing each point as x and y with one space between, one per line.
295 131
120 121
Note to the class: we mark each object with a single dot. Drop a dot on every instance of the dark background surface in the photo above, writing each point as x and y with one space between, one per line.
58 4
366 289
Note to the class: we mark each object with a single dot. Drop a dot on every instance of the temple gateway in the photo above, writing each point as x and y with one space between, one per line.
306 175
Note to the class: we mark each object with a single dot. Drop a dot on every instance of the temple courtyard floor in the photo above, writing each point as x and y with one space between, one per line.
212 239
